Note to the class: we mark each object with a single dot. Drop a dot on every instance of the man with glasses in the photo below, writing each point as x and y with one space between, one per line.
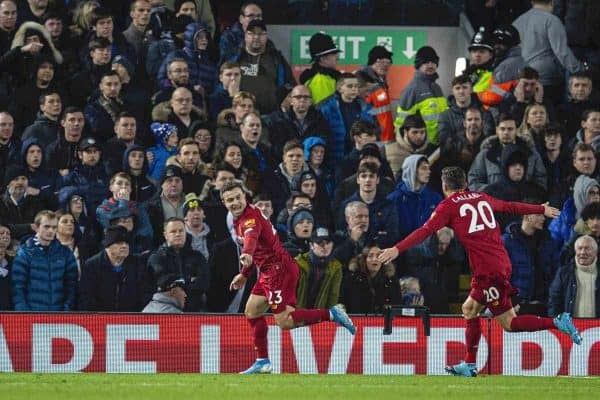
302 120
263 67
233 37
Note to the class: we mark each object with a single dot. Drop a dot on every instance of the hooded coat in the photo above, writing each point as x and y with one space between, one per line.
451 120
397 151
202 69
295 245
142 187
413 206
42 178
561 227
487 168
44 130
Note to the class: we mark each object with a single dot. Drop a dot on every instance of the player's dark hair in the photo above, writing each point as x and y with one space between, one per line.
454 178
231 186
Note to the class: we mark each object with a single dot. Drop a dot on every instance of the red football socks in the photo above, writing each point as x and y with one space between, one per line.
472 336
309 317
530 323
259 331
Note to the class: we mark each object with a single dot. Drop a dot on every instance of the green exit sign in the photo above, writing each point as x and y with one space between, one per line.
355 44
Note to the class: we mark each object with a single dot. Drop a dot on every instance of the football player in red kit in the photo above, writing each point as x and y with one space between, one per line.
278 276
471 216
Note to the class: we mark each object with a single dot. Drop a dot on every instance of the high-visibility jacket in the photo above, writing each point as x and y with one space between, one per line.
425 96
496 92
320 81
382 108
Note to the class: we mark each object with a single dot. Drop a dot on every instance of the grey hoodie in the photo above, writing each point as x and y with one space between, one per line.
163 304
582 186
544 46
409 171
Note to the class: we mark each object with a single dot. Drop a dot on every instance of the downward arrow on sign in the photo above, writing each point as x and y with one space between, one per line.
410 50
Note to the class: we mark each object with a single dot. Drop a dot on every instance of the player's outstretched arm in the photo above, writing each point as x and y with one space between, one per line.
411 240
550 212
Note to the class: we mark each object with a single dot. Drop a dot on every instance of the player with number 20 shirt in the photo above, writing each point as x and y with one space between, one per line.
471 216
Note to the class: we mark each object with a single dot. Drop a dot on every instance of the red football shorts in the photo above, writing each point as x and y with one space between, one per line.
494 292
278 285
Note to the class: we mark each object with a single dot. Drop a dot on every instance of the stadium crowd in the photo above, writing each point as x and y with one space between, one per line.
121 121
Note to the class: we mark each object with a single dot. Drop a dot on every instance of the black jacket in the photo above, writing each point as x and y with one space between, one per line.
224 264
61 154
19 218
101 288
44 130
189 265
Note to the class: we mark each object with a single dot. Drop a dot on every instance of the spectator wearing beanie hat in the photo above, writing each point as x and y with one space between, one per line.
423 95
313 187
321 78
373 78
300 226
166 137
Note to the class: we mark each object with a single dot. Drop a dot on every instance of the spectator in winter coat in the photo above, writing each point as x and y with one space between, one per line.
263 67
46 127
192 167
113 280
576 284
462 98
225 89
135 165
381 210
300 226
321 78
233 38
590 130
170 296
120 187
170 39
124 137
62 153
197 230
535 259
579 100
284 179
298 122
588 224
423 95
42 181
411 138
556 159
341 110
10 145
85 83
18 208
176 256
364 134
487 168
413 199
168 202
166 137
369 285
582 161
320 273
196 52
585 191
44 271
229 120
89 177
310 185
101 114
314 156
436 264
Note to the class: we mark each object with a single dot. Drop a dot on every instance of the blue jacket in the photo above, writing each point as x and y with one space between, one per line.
218 101
413 208
382 213
532 272
561 228
339 141
563 291
92 181
44 279
161 154
230 42
202 70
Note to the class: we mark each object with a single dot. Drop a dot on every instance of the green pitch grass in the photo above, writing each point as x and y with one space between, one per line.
283 387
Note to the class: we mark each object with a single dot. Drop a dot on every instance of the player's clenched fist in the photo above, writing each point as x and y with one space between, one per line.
238 282
246 260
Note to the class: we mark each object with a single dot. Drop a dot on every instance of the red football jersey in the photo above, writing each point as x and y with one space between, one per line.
471 216
260 240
